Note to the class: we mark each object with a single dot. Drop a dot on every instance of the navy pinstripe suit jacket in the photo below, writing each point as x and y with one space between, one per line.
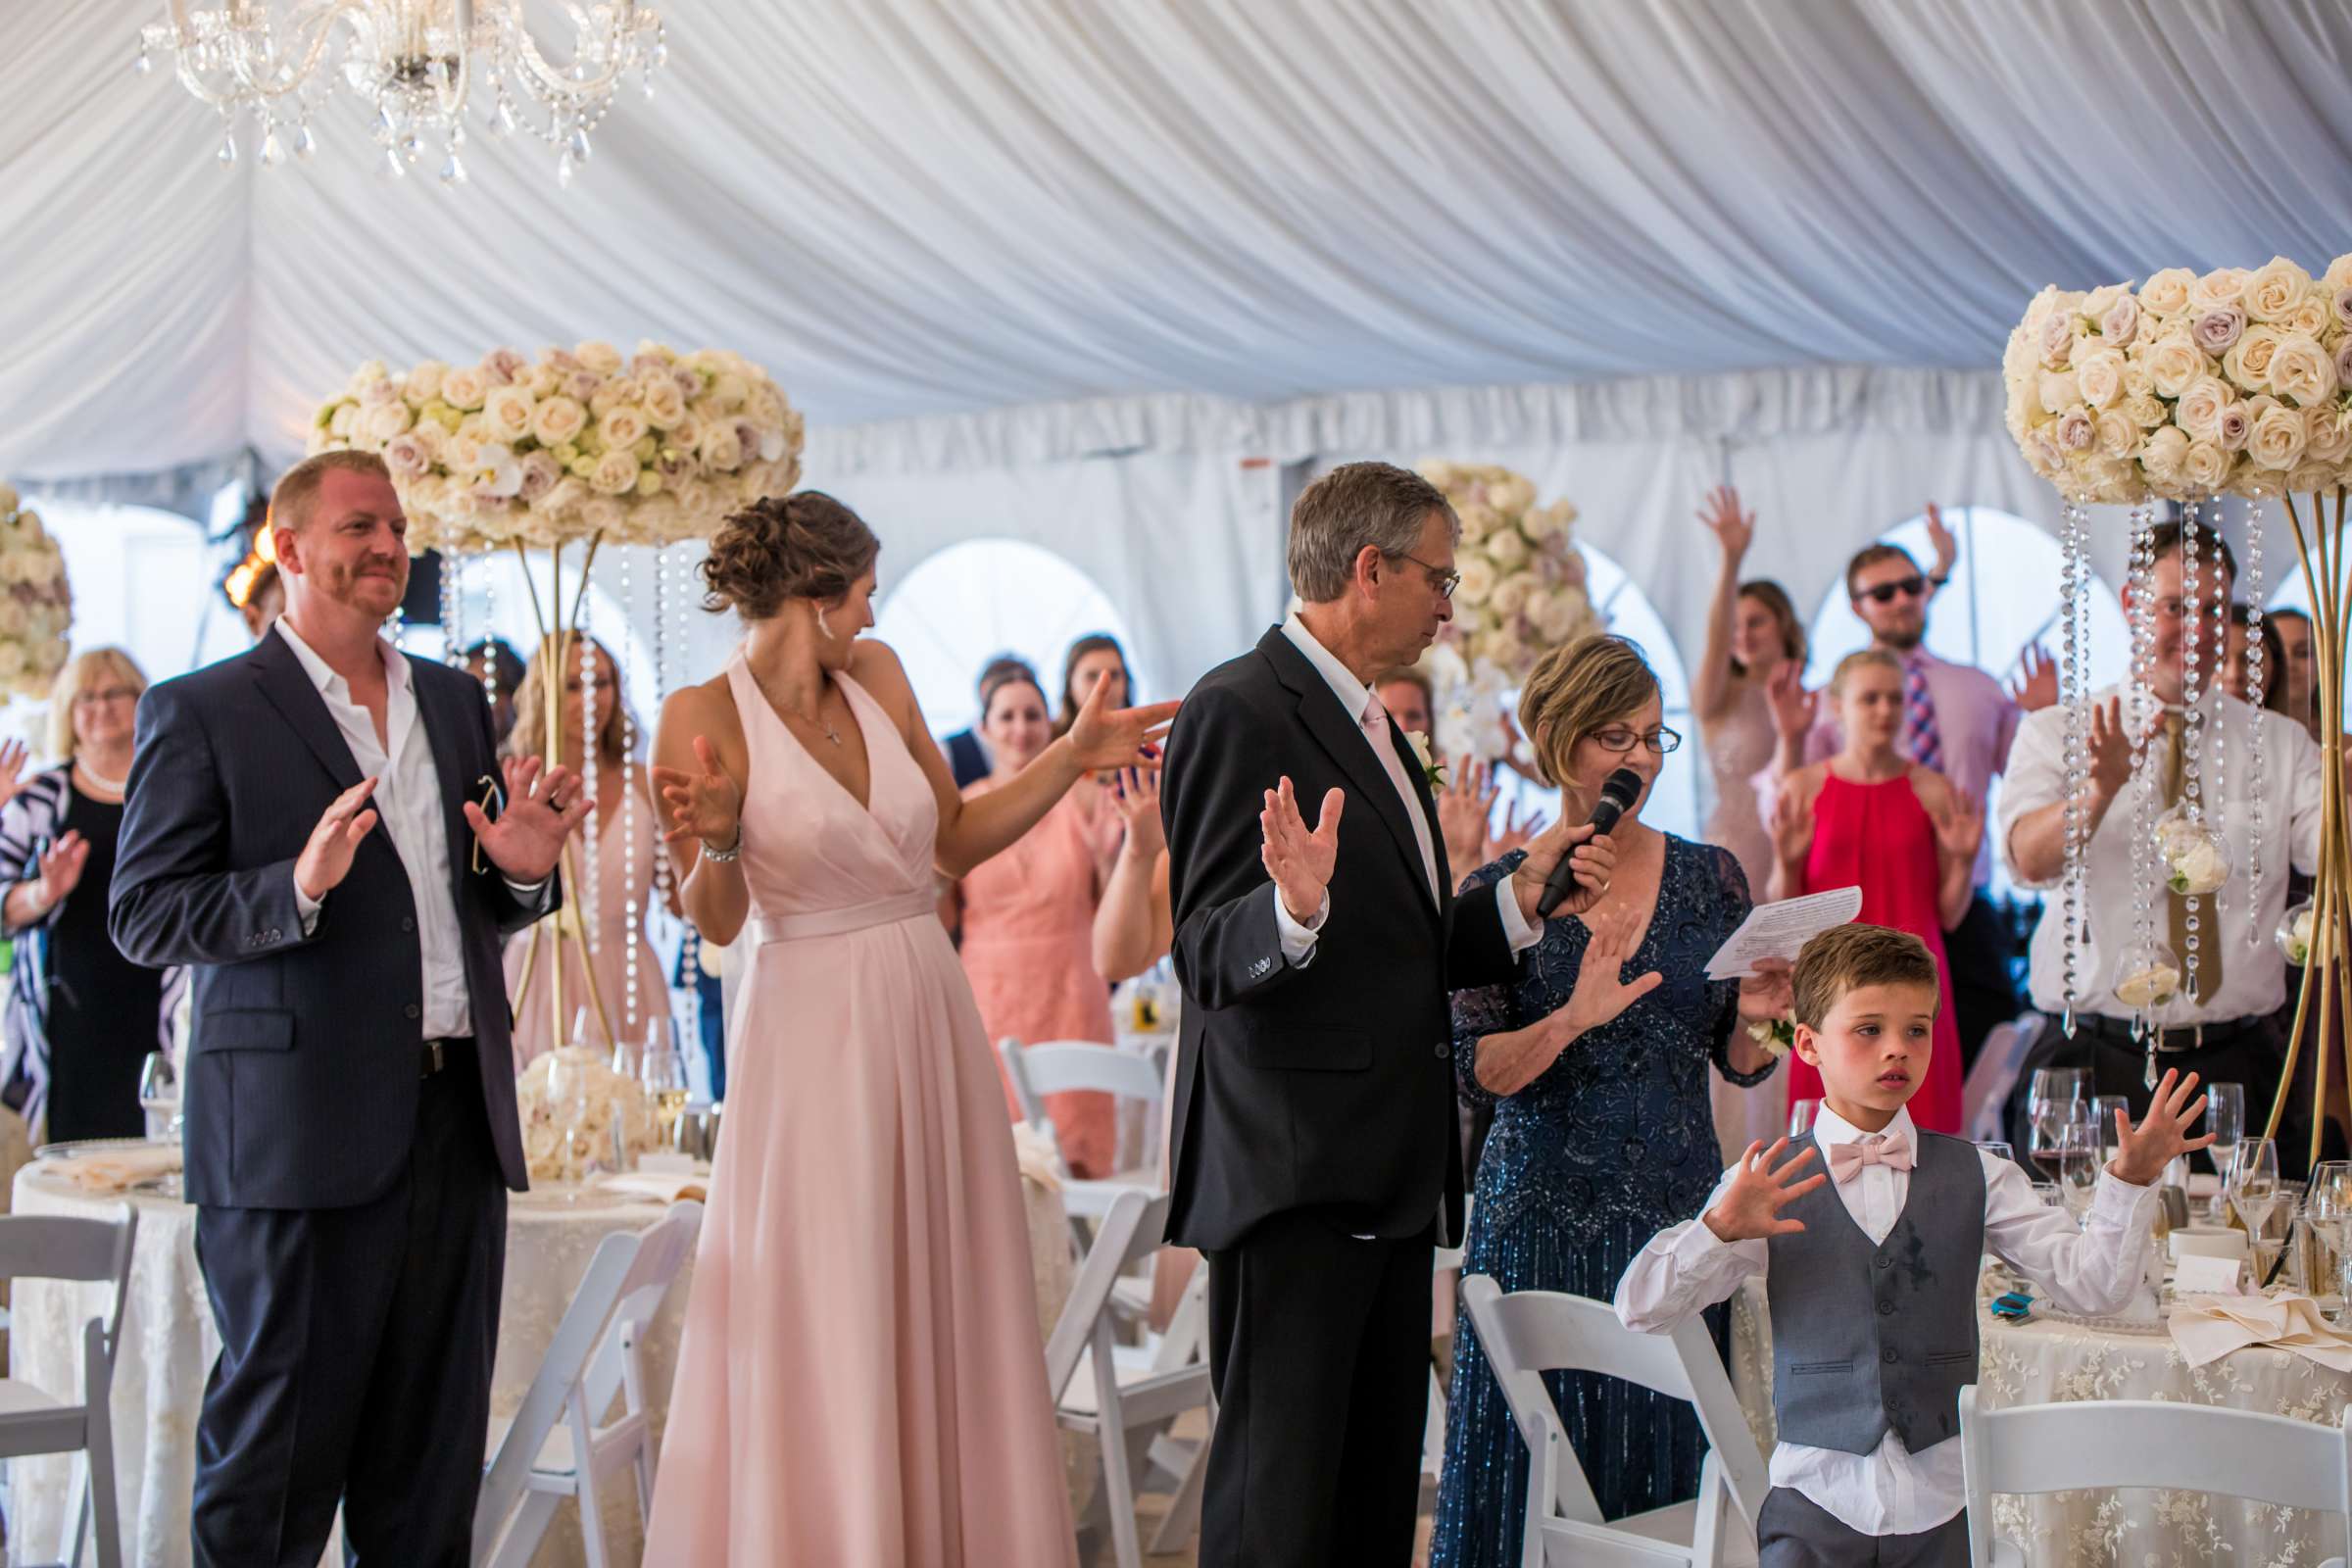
302 1078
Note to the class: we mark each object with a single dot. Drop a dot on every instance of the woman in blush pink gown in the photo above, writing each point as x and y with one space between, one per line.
860 1378
1026 921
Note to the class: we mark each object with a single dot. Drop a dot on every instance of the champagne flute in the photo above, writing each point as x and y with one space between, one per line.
2225 1119
662 1071
2253 1188
1800 1116
2078 1162
2104 1109
2327 1211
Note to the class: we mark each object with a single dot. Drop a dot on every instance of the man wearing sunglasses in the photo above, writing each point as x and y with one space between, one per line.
1957 720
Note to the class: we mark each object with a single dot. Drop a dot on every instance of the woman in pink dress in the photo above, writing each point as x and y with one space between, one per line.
1869 818
616 909
859 1381
1026 919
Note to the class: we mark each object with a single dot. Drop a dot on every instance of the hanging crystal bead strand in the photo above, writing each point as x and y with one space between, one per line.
2216 725
632 906
664 639
2071 694
2191 727
2256 764
591 745
2142 714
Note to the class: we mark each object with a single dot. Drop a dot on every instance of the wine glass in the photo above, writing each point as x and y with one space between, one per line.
2225 1119
2078 1162
2059 1084
662 1073
2327 1211
2048 1130
2253 1189
1999 1150
159 1097
2104 1109
1800 1116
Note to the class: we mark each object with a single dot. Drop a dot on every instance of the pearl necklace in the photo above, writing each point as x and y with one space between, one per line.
111 786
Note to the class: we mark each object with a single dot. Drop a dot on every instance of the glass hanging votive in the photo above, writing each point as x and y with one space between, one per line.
2294 934
2148 978
2195 856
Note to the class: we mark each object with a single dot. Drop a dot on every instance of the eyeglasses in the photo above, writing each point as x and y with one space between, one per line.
1445 582
109 694
1885 593
1622 738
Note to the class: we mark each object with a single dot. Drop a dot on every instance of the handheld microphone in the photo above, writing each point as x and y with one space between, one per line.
1617 792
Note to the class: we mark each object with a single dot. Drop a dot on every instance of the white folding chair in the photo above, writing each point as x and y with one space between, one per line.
1529 1333
554 1448
1128 1409
1433 1428
1984 1096
31 1421
1064 1066
2151 1442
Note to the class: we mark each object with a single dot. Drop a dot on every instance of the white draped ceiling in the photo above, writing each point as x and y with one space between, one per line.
1634 245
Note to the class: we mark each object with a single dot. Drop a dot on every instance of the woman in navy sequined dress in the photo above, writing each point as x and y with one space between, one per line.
1604 1131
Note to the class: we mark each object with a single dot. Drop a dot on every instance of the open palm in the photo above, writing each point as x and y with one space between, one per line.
1300 860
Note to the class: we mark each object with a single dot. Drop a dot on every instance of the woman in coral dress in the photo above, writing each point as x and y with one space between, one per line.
860 1378
1026 920
1869 818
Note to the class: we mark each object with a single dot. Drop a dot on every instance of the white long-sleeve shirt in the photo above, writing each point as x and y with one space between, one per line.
1891 1490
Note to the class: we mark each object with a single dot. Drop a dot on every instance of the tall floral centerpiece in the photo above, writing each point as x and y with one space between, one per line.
576 450
1521 595
36 603
2189 387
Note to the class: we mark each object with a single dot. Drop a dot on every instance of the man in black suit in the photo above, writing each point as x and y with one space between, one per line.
304 829
1315 1155
967 754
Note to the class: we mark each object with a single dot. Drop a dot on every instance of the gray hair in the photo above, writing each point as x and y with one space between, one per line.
1354 505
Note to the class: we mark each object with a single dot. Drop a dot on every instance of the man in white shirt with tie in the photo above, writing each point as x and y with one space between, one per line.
306 827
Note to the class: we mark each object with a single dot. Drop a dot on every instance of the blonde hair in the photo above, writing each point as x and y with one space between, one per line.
1577 688
70 682
617 728
1862 658
297 489
1847 957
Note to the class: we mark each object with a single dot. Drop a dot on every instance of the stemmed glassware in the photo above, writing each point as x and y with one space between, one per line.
2225 1119
1800 1116
2252 1188
2078 1162
662 1073
2328 1213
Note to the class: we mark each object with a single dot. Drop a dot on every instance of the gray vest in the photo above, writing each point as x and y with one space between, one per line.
1867 1337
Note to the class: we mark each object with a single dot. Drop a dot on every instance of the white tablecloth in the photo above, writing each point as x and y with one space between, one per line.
2047 1361
168 1344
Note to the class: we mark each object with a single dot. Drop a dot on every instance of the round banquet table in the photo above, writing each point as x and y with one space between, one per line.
2050 1359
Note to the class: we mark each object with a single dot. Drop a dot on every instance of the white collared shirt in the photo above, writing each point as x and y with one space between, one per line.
408 798
1299 941
1891 1490
2240 922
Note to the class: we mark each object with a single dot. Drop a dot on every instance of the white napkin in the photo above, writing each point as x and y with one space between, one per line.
2207 1328
2202 1274
115 1171
660 1186
1035 1156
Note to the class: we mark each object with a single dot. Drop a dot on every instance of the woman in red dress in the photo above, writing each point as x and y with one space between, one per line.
1870 818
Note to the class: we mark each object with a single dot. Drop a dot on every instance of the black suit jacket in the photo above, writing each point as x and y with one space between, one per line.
966 760
303 1052
1328 1086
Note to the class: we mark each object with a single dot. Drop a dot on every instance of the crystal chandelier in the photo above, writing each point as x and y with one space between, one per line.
420 63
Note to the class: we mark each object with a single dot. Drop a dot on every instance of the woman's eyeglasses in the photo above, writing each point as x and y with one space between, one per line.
1885 593
1621 739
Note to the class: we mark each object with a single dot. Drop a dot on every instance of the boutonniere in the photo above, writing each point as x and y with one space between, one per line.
1433 772
1778 1036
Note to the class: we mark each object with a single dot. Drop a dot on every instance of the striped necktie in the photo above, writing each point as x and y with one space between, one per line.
1922 744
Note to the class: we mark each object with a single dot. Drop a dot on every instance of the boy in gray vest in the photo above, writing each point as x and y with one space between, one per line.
1870 1267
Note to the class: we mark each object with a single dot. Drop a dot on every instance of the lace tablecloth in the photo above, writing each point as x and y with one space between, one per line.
2052 1361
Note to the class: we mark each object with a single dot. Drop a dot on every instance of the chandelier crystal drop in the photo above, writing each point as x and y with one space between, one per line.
419 64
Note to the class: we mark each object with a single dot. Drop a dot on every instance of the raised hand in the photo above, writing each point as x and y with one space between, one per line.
1124 737
704 804
1960 831
2111 747
1791 824
1136 792
1792 704
1600 991
1299 862
2141 1153
1464 809
12 769
2037 685
1732 529
61 869
1594 860
1517 832
325 860
1946 547
526 842
1750 1209
1765 995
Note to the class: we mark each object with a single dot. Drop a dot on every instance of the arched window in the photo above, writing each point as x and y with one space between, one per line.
2003 598
968 602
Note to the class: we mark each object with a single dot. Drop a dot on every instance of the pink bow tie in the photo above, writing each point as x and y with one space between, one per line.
1847 1160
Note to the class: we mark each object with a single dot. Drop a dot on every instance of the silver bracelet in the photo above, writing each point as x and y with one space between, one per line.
727 856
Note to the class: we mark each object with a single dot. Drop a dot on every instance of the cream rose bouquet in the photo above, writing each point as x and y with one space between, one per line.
36 603
651 449
1522 592
2190 386
574 1090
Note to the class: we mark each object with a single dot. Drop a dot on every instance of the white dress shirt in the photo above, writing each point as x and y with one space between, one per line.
1298 940
2253 978
408 798
1891 1490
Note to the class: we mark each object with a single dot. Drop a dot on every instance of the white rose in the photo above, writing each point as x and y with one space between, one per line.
721 450
2074 431
464 388
2118 324
1565 615
2138 382
2277 441
507 412
2059 391
405 456
1478 579
729 391
2165 293
2116 435
773 443
2224 286
423 382
365 376
696 499
2100 301
600 513
2173 361
558 421
2145 411
1514 494
2150 985
1510 593
2204 466
2311 476
598 358
2235 428
2326 434
664 404
1444 475
2099 375
2162 454
2308 316
2302 371
384 421
430 439
2275 287
344 422
2200 870
1478 521
615 473
624 427
462 453
2199 410
2338 273
569 493
1507 548
2248 362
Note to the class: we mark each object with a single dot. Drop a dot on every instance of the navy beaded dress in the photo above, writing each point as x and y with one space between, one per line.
1612 1144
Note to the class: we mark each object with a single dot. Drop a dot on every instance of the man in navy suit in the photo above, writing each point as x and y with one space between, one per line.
304 829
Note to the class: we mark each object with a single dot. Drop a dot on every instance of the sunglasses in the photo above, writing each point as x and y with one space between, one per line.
1885 593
